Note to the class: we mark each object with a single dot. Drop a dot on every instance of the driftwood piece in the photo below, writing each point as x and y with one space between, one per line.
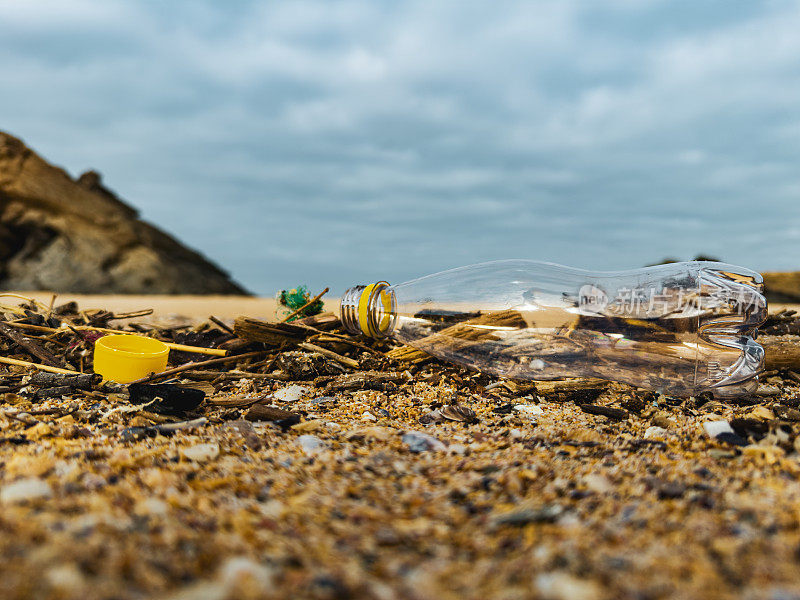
617 414
80 381
238 401
263 412
343 360
30 346
781 351
323 321
368 380
273 334
207 375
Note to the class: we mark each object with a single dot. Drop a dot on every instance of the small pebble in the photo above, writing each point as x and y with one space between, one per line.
564 586
714 428
418 441
311 444
528 411
291 393
25 489
655 433
525 516
240 573
201 452
598 483
671 490
761 412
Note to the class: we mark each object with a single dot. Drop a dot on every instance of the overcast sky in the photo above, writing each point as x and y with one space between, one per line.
335 143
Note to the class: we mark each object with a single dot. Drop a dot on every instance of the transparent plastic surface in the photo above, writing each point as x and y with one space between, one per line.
680 328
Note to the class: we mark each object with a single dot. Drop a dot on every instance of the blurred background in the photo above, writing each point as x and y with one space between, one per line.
335 143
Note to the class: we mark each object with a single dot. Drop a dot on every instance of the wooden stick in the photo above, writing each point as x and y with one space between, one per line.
220 324
36 302
193 365
25 363
197 349
343 338
132 315
199 373
307 304
348 362
32 347
335 337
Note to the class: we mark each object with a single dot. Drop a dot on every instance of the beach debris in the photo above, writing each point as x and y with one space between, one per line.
267 412
272 334
450 412
506 341
168 399
77 381
298 303
458 412
433 416
30 345
616 414
367 380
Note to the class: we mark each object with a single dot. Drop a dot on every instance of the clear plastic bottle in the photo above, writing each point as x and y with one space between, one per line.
680 328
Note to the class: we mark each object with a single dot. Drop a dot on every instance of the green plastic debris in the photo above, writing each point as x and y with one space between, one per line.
291 300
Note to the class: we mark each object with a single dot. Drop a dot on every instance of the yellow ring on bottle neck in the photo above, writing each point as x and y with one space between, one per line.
364 302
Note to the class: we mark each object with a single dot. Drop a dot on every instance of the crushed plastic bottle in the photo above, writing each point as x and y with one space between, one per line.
680 329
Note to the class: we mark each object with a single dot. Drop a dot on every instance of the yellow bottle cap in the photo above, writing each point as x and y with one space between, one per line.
126 358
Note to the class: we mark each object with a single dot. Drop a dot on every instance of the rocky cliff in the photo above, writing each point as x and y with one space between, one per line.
75 235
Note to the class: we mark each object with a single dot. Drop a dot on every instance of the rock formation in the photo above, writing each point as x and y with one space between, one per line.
75 235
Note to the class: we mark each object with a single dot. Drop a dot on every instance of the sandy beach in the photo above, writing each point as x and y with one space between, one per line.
327 468
191 307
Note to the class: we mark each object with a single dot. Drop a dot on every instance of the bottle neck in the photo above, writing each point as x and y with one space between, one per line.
369 310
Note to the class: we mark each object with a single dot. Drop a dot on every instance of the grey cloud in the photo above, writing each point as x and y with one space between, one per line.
359 139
